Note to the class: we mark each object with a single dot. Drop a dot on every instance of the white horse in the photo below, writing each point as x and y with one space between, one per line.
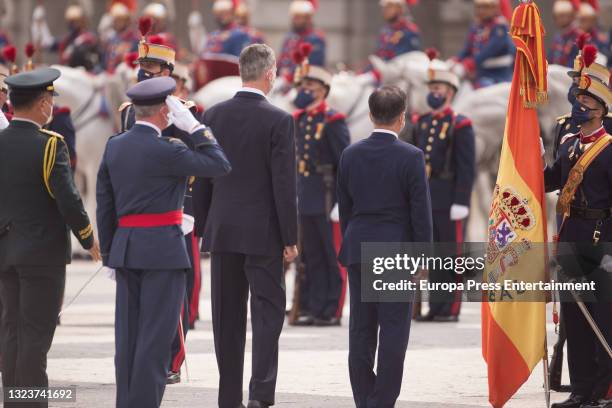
93 118
487 108
349 95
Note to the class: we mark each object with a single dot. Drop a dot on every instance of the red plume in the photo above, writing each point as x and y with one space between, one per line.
29 50
157 39
412 2
297 57
315 4
305 49
576 4
582 39
130 59
594 4
144 25
432 53
9 53
589 53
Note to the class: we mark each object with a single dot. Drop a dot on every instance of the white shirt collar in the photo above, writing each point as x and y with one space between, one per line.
385 131
252 90
26 120
149 124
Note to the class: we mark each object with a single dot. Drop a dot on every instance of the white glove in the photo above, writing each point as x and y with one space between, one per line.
3 121
181 116
459 212
110 273
334 215
187 224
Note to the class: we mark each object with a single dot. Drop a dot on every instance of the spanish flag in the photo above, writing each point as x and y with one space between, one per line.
513 325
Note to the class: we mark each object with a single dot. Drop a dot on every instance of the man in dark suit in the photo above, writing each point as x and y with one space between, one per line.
249 219
38 202
383 196
140 193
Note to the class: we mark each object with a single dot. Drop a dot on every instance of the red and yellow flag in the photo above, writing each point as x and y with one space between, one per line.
513 328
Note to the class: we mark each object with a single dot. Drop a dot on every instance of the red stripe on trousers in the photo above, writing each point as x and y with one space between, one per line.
337 235
179 358
456 306
194 305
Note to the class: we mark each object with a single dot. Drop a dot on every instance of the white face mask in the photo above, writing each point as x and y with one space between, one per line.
50 116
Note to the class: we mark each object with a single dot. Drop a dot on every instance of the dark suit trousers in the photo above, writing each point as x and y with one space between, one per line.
444 303
147 310
31 298
322 271
233 275
380 389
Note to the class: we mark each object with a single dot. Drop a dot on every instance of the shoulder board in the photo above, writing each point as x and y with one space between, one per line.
462 122
296 114
58 110
173 140
333 116
567 137
51 133
561 119
123 106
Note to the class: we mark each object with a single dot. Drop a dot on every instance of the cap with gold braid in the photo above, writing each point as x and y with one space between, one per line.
594 78
38 80
150 51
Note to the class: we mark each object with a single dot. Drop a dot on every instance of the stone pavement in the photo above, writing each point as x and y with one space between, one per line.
444 366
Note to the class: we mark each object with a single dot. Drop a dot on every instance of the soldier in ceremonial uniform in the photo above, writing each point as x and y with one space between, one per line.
588 23
140 194
40 203
322 135
563 49
447 140
302 31
583 173
488 55
399 35
123 40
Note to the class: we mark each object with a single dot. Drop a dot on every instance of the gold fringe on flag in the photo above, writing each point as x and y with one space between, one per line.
527 33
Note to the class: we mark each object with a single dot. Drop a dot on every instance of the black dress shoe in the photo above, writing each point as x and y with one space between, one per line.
257 404
446 319
304 320
326 322
425 318
173 378
602 403
574 401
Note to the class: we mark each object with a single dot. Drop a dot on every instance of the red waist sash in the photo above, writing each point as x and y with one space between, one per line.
151 220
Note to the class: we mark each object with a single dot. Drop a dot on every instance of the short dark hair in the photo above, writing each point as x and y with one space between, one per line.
387 104
25 99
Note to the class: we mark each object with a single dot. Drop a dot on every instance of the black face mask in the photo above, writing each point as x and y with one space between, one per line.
581 113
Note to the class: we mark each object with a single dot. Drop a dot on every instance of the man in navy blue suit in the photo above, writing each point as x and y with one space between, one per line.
249 219
383 196
140 193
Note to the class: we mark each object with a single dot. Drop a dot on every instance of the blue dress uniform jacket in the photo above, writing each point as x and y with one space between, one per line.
566 127
490 48
563 49
372 209
229 41
322 135
292 42
443 137
398 38
142 173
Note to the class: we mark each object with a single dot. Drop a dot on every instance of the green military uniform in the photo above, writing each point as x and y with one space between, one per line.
38 202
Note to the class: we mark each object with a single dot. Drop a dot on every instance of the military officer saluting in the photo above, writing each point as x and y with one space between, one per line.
447 140
322 135
140 194
583 173
39 203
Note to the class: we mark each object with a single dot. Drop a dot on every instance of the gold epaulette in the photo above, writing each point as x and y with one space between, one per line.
561 119
49 157
123 106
